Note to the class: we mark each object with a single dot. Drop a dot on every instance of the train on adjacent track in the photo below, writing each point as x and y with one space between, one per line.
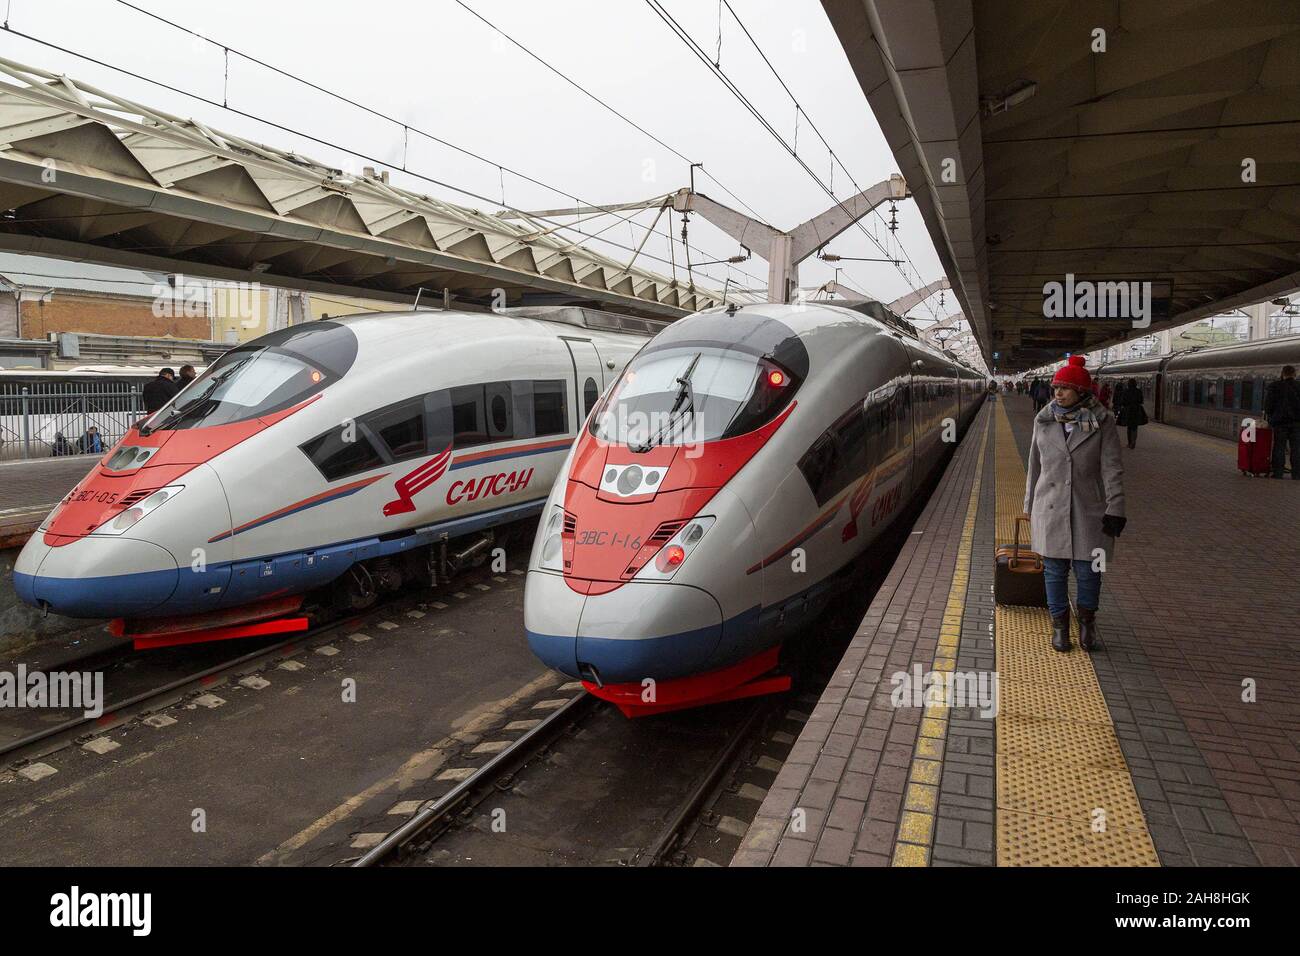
1210 389
710 507
324 464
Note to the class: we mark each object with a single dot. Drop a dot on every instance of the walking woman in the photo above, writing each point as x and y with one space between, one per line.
1129 412
1074 494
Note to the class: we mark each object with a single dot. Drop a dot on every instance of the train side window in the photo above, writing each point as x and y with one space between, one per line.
342 451
590 393
468 423
550 416
437 416
1248 394
818 464
499 411
1229 393
839 456
521 400
401 427
1198 391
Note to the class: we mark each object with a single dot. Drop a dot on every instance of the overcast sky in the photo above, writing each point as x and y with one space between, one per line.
436 67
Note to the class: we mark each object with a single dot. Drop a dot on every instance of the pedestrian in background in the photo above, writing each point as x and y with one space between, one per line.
1282 406
187 375
1129 411
1074 494
90 443
160 391
1038 391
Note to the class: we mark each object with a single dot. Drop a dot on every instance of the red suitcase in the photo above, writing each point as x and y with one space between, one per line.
1256 457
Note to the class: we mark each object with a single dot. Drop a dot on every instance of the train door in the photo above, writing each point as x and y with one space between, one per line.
588 376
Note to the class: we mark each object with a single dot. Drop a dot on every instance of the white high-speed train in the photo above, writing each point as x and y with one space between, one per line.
371 449
739 465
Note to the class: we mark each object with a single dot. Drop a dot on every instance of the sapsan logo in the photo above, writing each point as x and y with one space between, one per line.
408 486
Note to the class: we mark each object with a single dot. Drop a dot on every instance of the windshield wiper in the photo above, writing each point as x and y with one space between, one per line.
684 401
179 413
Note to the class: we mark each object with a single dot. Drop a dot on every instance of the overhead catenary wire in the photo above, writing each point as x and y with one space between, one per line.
740 96
834 159
315 139
726 80
379 114
586 92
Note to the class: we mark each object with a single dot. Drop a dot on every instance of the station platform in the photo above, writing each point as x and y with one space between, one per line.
29 490
1174 743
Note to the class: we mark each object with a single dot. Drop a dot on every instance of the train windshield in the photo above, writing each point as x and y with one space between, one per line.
691 394
263 377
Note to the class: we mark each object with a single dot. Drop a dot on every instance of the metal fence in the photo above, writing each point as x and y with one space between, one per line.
44 419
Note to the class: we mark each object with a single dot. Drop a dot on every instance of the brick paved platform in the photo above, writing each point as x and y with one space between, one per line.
30 489
1198 660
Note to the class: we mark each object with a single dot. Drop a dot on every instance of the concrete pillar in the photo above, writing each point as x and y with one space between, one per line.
782 271
1258 320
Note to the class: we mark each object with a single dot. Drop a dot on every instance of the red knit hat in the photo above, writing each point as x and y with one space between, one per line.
1074 375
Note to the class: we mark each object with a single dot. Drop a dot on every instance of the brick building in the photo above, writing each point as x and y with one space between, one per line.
40 295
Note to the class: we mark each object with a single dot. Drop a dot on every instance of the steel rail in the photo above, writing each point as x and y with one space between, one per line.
517 754
690 808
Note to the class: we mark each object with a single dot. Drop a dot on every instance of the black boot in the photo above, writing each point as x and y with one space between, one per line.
1061 632
1087 628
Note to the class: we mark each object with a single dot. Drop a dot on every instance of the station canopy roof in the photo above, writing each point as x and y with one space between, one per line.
1110 141
86 175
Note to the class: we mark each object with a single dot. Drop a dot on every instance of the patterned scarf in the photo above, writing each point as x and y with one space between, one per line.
1082 414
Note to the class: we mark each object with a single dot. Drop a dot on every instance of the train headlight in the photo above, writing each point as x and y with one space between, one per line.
679 547
552 540
125 520
129 458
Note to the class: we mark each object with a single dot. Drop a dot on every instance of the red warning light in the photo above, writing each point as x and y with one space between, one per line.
674 555
776 377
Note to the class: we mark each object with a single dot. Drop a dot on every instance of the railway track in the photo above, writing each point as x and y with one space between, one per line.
152 682
589 787
437 815
415 838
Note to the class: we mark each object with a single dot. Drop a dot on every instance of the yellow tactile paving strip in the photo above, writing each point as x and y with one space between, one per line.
1064 793
916 827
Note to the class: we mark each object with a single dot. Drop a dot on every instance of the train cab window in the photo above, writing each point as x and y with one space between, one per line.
342 451
265 376
550 415
696 392
590 394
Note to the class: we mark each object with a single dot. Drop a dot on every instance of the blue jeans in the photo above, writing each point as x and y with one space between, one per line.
1056 575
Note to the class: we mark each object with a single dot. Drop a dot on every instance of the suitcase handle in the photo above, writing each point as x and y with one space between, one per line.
1015 559
1015 544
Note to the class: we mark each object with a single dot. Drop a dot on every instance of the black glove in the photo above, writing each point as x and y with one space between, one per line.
1113 525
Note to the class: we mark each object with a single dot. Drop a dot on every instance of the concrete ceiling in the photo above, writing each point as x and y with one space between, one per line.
1123 164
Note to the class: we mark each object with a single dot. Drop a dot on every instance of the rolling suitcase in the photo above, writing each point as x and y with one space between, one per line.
1018 577
1255 457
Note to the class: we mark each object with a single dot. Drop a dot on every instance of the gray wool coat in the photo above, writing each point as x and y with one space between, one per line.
1071 485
